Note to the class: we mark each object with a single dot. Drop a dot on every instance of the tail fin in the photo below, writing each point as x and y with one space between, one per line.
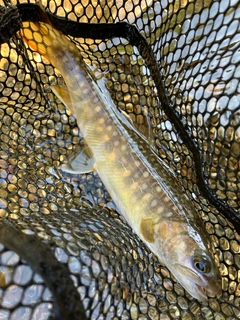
45 39
38 37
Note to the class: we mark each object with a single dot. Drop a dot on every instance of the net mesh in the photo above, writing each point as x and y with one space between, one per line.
69 220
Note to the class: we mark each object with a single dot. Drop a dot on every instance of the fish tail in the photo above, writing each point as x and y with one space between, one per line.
44 38
38 37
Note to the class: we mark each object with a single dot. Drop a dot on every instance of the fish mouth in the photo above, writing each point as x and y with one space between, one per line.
200 288
205 293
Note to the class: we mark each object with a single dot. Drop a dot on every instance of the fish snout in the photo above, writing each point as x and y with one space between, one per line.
214 287
199 286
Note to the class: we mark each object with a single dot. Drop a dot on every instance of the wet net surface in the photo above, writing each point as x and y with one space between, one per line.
62 217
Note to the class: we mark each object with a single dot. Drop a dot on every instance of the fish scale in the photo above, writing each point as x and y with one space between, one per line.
152 201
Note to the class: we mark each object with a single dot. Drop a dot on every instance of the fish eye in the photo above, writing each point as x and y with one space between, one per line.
202 264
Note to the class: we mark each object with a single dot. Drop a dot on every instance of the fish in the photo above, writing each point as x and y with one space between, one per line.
144 189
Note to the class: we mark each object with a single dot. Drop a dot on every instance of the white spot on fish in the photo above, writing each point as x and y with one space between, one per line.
147 196
101 121
138 163
95 100
123 147
160 210
106 138
112 156
154 203
134 185
168 214
97 109
144 186
99 129
85 91
116 143
145 174
126 174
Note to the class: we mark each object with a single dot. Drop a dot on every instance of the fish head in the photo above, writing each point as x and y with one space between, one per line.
191 257
198 274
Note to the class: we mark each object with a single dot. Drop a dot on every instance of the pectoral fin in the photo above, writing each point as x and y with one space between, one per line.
64 96
147 230
83 162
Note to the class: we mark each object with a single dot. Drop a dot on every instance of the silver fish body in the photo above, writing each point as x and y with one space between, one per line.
145 191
